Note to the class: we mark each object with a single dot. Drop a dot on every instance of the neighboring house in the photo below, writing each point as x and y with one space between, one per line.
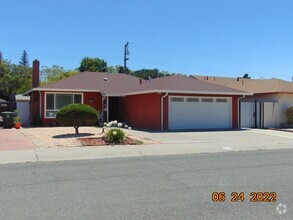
23 108
266 108
168 103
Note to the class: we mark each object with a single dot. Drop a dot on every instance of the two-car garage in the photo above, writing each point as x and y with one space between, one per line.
189 112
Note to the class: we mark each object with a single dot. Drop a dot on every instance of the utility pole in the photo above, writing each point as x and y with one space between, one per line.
126 53
1 57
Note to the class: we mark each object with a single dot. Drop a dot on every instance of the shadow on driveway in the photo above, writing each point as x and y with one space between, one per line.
72 135
191 130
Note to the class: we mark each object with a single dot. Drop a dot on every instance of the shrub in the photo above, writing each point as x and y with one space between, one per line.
289 115
115 135
77 115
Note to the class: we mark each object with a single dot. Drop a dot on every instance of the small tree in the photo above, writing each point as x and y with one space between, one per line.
77 115
24 59
289 115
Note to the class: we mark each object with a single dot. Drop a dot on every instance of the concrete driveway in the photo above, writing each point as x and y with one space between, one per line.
250 139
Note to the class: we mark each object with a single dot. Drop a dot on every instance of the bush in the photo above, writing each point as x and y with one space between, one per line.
77 115
115 135
289 115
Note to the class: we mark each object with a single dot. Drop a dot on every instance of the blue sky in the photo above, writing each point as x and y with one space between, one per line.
219 38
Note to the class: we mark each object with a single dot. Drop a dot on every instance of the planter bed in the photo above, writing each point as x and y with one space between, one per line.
100 141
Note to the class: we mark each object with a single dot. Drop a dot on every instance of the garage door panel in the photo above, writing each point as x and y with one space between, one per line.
200 115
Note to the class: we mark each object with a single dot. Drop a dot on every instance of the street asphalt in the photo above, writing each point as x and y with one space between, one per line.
150 187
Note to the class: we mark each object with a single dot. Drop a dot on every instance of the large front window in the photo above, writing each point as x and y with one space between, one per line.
56 101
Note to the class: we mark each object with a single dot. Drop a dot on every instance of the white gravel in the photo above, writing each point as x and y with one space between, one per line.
65 136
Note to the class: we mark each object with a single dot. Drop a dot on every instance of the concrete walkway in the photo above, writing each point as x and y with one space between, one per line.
12 139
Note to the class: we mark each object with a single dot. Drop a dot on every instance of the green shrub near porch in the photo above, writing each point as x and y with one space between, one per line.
77 115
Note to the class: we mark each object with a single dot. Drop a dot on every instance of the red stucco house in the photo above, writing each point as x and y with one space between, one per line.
168 103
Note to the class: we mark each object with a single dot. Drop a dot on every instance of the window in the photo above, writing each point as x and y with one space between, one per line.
207 100
56 101
192 99
221 100
177 99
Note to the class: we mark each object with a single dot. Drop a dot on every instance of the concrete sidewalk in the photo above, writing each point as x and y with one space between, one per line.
81 153
12 139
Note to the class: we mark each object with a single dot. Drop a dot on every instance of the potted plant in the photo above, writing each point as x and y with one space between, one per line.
17 123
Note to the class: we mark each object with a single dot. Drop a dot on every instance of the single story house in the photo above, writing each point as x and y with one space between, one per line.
168 103
266 107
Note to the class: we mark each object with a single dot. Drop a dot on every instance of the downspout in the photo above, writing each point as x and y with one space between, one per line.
40 98
107 109
239 111
162 110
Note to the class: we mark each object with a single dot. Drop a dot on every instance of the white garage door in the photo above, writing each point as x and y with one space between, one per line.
200 112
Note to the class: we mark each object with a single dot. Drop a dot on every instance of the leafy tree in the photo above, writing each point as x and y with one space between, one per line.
147 73
14 79
93 65
77 115
246 76
24 59
55 73
111 69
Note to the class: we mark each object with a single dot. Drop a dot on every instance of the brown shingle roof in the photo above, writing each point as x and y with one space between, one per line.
92 81
121 84
255 86
180 83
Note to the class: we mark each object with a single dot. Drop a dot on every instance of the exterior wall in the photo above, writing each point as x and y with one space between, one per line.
35 108
93 99
285 101
143 111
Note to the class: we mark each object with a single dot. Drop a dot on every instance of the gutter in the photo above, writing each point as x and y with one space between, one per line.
162 110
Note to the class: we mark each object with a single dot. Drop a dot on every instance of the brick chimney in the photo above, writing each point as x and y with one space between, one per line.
36 73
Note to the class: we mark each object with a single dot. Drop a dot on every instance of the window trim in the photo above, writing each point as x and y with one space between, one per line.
54 93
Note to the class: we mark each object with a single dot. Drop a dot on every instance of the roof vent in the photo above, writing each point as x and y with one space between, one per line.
105 79
150 79
140 81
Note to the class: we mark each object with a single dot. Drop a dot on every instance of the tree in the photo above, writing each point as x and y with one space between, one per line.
77 115
147 73
92 65
55 73
246 76
24 59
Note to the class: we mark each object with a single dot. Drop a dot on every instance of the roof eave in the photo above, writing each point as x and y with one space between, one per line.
60 90
189 92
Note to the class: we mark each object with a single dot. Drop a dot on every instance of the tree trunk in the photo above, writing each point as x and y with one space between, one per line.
76 130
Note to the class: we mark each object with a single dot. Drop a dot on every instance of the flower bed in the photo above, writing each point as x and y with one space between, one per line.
101 141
